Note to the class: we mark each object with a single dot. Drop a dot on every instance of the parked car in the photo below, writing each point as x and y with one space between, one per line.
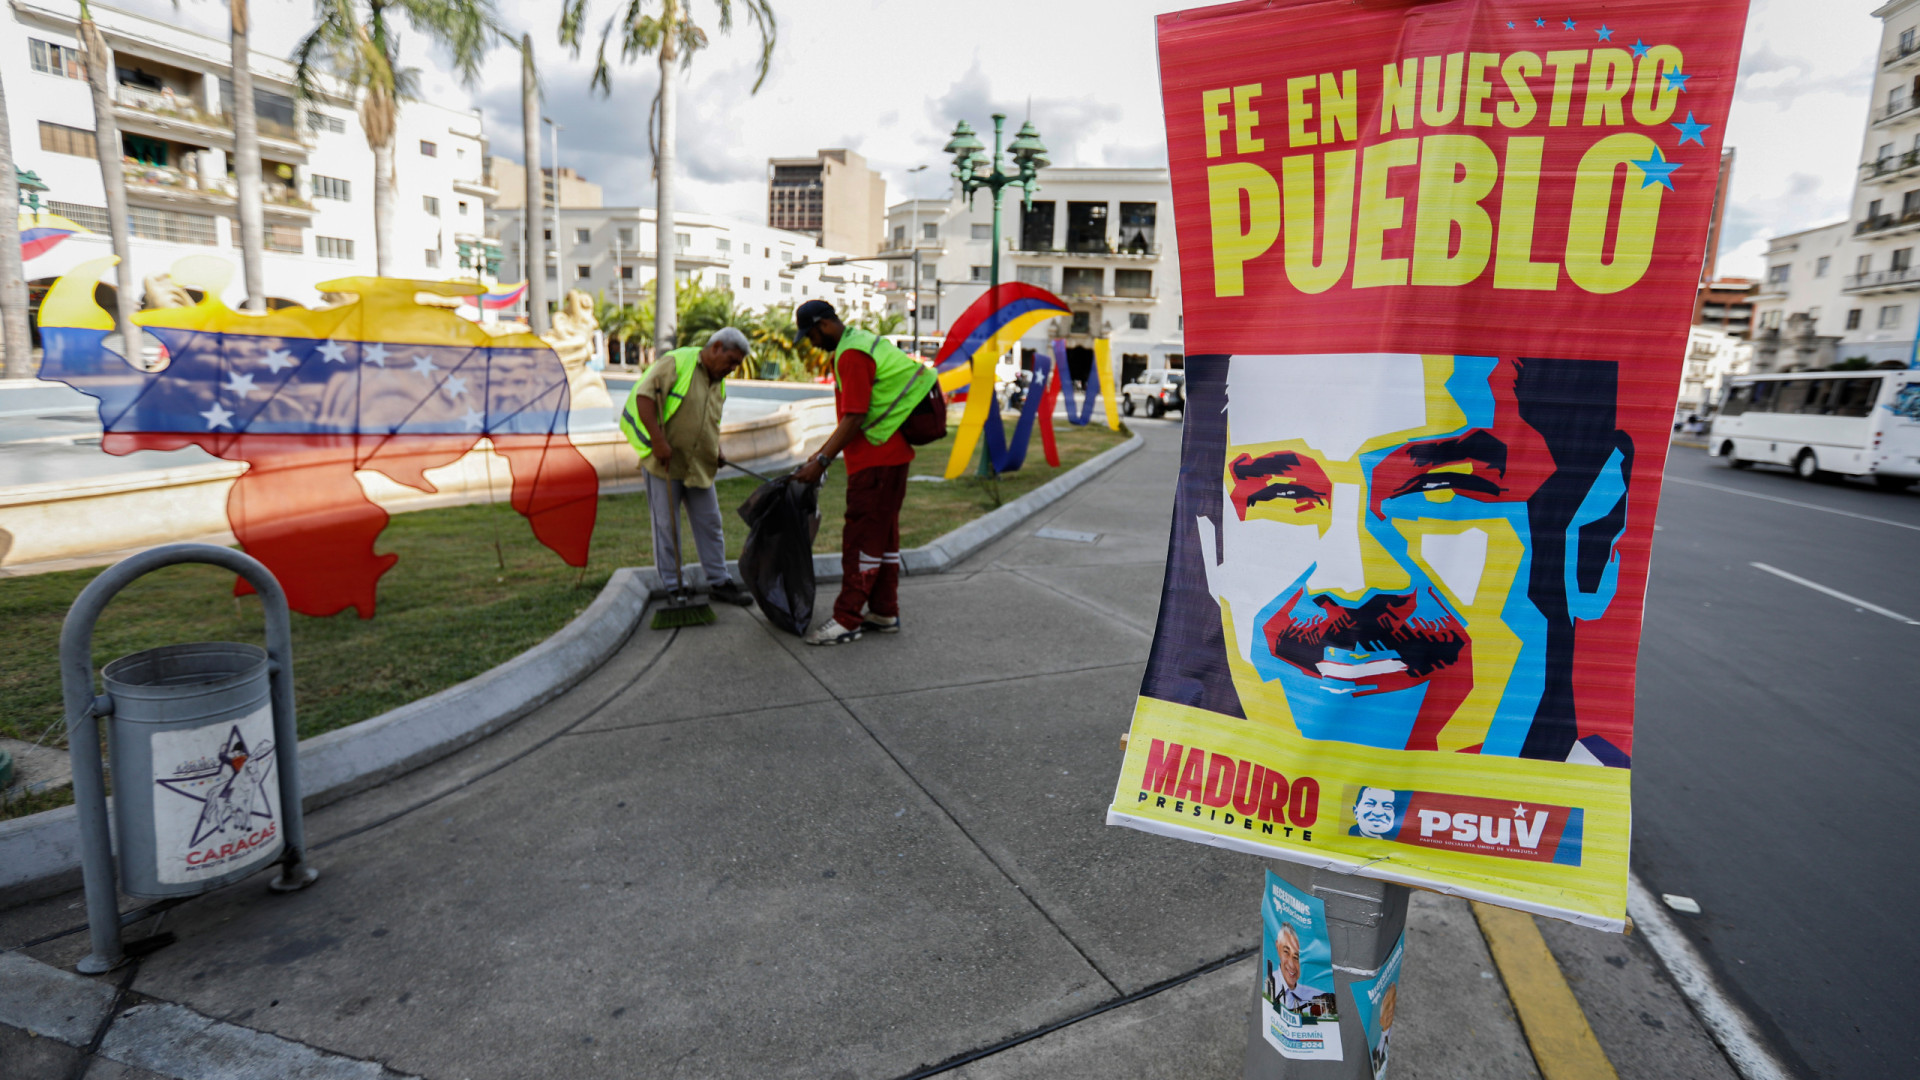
1155 392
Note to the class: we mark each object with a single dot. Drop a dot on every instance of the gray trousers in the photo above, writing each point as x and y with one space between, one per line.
702 505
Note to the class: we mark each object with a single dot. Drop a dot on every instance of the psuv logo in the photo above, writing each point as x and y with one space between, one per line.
1535 832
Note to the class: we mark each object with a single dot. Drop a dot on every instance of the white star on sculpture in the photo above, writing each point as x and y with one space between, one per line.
455 386
474 421
375 354
333 352
217 417
279 359
424 365
239 384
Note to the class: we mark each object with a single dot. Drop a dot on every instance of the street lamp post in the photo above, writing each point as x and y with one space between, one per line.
559 243
974 169
913 245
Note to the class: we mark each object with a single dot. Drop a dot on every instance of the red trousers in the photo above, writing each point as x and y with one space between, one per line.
870 544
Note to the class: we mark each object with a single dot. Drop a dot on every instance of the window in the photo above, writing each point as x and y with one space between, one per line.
900 234
60 139
319 121
87 217
582 271
724 281
1035 275
723 244
1896 99
1902 259
1873 209
146 151
51 59
1886 151
1813 313
626 273
463 207
1769 320
430 204
433 258
173 226
1082 323
1086 226
547 235
1863 264
1820 265
581 236
767 252
460 153
930 231
276 112
786 286
980 273
332 247
553 272
1137 320
1777 275
1852 397
981 232
683 241
1081 280
1133 282
626 236
746 283
1136 226
1906 41
1890 317
1910 203
1853 319
929 312
428 149
1036 227
283 238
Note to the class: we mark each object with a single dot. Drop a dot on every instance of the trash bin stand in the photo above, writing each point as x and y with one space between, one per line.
83 710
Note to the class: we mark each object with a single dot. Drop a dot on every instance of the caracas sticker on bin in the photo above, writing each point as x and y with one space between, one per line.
1438 265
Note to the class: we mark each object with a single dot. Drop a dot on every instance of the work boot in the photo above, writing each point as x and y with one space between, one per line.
831 633
730 592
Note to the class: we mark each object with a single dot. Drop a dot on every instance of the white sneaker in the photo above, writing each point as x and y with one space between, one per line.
831 633
880 624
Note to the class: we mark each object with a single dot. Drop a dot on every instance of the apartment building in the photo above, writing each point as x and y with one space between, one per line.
1881 284
609 251
1801 313
509 178
1100 238
832 196
172 101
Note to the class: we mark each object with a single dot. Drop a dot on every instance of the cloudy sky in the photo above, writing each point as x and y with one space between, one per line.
889 77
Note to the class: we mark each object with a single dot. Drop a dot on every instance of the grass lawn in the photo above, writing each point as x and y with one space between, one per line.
472 590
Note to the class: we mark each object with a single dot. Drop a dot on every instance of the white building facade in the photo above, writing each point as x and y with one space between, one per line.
1802 312
1713 356
609 251
1102 239
172 87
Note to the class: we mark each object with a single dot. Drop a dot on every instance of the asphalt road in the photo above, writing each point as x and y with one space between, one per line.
1776 744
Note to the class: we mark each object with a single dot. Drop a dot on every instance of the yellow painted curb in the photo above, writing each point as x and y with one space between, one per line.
1563 1044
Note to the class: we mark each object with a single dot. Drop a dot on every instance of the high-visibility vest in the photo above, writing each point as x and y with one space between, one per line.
684 361
899 382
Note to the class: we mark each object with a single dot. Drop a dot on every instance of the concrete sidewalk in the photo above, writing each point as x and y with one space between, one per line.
726 854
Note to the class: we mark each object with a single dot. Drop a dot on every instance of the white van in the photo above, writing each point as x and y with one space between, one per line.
1821 423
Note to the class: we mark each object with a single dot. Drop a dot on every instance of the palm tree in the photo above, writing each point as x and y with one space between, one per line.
535 246
246 163
113 174
16 342
359 40
672 35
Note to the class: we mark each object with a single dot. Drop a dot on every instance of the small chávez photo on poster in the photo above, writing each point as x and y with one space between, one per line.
1299 1017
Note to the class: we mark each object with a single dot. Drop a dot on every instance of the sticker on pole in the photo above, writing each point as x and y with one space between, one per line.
216 804
1376 998
1298 1014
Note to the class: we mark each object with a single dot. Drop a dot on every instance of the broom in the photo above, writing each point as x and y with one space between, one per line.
682 607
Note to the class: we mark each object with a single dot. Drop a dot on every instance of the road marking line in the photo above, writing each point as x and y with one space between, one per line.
1835 593
1563 1043
1724 1021
1794 502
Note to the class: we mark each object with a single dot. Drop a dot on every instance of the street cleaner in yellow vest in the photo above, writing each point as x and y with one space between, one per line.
877 389
672 418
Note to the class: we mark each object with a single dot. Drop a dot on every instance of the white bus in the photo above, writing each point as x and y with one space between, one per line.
1823 423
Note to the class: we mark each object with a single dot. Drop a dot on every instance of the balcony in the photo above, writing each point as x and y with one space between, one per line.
1902 54
1138 253
1130 298
172 116
1890 168
1898 279
1888 224
480 189
1896 109
171 186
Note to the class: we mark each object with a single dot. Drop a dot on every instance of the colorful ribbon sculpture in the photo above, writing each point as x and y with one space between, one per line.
983 333
42 232
308 396
1102 377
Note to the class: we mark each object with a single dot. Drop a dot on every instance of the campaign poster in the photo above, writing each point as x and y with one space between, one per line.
1298 1015
216 804
1377 999
1439 261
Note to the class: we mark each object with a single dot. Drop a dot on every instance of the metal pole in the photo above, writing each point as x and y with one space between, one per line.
559 241
83 738
998 183
913 239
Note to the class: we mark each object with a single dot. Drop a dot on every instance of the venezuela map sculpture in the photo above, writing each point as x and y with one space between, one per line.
306 397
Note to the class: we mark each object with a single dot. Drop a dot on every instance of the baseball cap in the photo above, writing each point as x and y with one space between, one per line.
809 313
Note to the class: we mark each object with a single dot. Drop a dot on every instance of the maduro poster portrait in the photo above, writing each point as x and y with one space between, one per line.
1439 263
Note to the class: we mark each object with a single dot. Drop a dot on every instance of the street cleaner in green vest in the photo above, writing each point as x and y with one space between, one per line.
672 418
877 389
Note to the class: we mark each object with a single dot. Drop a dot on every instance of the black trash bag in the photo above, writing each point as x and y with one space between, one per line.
776 563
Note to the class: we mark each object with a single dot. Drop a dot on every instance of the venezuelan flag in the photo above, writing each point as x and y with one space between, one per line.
501 297
989 326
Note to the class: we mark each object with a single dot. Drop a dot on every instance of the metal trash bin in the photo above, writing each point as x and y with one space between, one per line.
197 801
205 754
